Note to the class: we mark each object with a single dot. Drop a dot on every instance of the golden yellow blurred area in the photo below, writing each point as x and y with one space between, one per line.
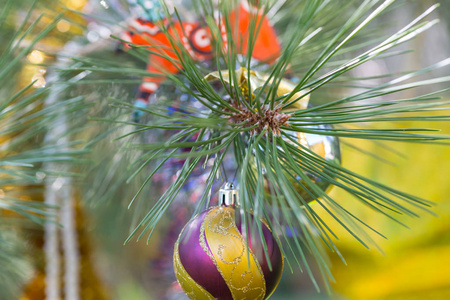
416 261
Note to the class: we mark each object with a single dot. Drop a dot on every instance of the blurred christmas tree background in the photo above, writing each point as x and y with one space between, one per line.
88 167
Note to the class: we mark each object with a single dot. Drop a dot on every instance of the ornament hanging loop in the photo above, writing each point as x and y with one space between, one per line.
228 195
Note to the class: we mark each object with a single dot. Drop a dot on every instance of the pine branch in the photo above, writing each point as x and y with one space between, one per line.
245 117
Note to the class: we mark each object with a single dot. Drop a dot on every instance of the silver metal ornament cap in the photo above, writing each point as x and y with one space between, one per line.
228 195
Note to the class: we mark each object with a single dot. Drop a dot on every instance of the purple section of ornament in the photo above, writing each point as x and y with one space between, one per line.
198 264
271 277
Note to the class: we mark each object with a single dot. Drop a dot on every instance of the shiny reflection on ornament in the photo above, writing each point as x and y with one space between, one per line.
36 57
325 146
104 4
63 26
39 80
40 176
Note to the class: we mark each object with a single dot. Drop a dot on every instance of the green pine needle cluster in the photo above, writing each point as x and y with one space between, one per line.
281 159
317 42
322 41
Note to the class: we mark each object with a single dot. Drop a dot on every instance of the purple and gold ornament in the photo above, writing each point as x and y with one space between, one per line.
212 261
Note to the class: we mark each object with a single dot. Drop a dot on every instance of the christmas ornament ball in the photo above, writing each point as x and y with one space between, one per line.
211 260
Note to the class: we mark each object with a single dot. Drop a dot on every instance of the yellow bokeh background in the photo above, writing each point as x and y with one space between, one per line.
416 261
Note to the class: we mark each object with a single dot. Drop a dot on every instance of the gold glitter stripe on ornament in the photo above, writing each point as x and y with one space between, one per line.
237 264
192 289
